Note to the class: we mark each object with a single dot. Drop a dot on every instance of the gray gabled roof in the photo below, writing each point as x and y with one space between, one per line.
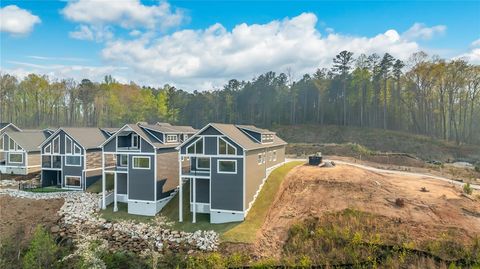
168 129
28 140
89 138
242 139
4 125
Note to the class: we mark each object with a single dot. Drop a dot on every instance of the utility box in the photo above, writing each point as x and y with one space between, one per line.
315 159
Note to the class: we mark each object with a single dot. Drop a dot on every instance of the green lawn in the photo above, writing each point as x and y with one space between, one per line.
47 189
233 232
97 186
122 214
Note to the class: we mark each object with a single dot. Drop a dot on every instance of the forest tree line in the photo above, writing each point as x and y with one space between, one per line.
423 95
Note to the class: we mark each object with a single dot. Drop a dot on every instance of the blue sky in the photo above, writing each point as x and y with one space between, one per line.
202 44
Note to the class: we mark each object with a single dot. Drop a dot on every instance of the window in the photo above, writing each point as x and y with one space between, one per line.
72 160
56 145
123 160
1 143
141 162
134 141
68 145
261 158
15 157
197 147
56 161
47 161
77 150
172 138
227 167
203 163
48 149
71 181
225 148
11 145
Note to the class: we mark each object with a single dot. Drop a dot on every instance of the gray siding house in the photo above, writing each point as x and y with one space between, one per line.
21 152
227 168
72 157
143 162
4 127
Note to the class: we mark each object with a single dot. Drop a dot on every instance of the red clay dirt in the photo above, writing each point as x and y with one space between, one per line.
310 191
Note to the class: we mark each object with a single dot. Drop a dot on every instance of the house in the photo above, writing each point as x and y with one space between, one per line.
143 162
21 151
6 126
72 157
228 166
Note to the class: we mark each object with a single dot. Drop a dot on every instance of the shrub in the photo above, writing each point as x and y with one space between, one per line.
467 189
400 202
42 252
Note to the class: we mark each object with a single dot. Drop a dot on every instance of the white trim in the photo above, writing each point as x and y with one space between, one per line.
71 186
120 160
135 138
14 126
9 157
129 153
213 156
197 134
245 132
226 211
226 160
143 168
142 201
194 145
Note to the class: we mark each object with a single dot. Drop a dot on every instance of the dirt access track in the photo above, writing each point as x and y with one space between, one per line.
310 191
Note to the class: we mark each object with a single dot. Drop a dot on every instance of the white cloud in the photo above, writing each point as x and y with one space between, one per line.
77 72
473 56
97 33
421 31
125 13
17 21
476 43
196 58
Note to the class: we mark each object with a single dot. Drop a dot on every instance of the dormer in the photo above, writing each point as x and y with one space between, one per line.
259 135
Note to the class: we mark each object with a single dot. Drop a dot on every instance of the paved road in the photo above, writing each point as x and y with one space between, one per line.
403 173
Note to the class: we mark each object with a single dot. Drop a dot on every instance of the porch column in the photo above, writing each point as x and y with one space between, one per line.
104 202
115 207
194 202
180 191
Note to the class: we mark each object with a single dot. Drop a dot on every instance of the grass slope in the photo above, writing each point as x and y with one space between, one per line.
421 146
232 232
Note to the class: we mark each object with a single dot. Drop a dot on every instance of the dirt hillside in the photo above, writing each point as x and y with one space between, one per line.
309 191
19 217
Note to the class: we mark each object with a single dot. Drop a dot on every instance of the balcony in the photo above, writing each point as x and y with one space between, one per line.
196 173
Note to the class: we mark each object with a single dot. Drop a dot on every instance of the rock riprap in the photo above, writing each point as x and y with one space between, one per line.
80 213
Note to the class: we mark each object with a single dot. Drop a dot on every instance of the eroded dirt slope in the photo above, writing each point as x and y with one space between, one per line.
309 191
19 217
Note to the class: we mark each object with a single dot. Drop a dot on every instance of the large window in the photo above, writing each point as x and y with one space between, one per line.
47 161
227 167
203 163
11 145
15 157
68 145
73 181
1 142
225 148
197 147
172 138
56 145
141 162
56 161
72 160
48 149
